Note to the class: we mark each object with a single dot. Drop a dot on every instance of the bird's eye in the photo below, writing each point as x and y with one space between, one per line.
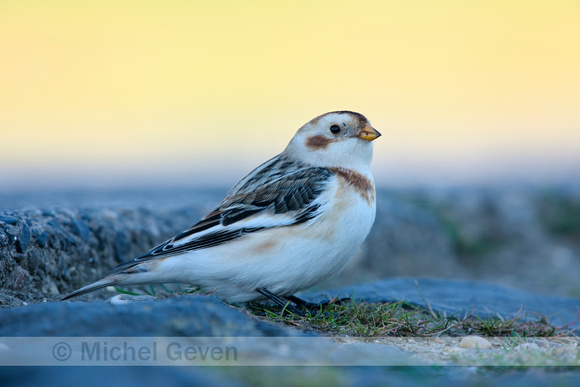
335 129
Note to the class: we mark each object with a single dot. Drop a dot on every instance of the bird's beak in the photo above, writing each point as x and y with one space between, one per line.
369 133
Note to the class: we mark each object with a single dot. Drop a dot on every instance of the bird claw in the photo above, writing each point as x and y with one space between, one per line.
302 306
317 305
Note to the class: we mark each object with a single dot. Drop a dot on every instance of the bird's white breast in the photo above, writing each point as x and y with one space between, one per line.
287 259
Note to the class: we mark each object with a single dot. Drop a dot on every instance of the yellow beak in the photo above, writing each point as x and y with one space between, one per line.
369 133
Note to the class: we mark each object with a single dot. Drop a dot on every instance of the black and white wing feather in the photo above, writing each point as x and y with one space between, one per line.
279 193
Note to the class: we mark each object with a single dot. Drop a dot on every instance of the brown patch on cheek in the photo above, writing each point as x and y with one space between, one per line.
361 184
318 142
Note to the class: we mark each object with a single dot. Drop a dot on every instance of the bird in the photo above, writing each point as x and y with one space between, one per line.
291 223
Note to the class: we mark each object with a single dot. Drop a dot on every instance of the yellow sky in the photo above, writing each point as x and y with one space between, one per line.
460 90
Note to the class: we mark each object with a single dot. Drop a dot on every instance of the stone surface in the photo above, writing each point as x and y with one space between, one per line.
180 316
8 219
405 239
52 244
279 376
203 316
50 253
112 376
463 297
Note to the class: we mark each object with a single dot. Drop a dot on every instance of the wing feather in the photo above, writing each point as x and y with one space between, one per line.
280 192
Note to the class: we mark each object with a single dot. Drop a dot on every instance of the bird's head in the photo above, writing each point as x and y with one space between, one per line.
335 139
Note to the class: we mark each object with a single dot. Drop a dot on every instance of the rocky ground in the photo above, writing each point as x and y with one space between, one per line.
526 239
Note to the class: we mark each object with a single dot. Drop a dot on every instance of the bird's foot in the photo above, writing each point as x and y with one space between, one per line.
286 306
317 306
302 307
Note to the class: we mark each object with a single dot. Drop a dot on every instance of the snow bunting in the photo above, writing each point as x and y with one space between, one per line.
291 223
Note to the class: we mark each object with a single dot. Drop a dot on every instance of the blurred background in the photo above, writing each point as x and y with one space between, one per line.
478 103
97 93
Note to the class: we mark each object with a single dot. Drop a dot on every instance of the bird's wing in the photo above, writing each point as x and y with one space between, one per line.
278 193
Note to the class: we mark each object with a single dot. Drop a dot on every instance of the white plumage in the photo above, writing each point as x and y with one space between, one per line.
291 223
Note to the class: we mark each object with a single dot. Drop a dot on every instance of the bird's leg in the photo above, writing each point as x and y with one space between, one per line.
315 305
272 297
278 301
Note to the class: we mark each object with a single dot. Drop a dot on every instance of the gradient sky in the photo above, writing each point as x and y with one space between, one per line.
190 92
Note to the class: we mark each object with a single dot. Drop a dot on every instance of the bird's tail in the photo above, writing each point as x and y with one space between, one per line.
128 273
107 281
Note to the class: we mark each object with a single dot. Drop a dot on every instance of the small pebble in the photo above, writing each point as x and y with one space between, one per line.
474 342
122 299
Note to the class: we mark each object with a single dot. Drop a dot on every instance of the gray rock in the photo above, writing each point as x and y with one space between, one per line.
40 238
122 246
282 376
463 297
8 219
80 229
19 278
406 240
113 376
64 249
204 316
23 239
